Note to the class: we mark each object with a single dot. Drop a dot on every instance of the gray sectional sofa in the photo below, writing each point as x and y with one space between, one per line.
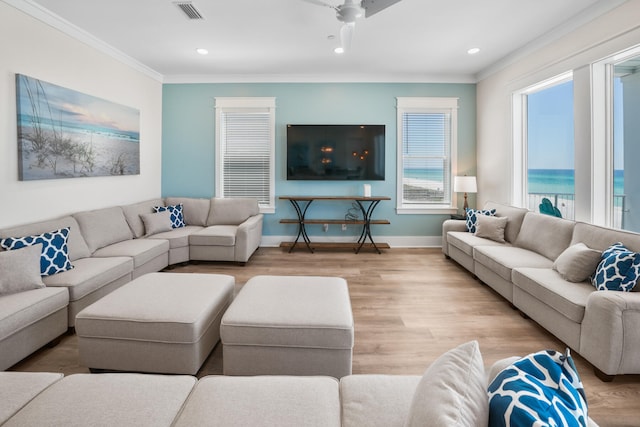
600 325
108 248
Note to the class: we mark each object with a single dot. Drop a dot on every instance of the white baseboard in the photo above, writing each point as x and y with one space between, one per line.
393 241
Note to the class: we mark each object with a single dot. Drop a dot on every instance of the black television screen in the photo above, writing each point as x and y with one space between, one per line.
335 152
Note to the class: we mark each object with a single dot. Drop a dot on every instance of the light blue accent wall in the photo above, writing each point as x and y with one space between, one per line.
188 144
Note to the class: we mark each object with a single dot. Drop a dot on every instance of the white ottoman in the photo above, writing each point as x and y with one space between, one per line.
289 325
159 322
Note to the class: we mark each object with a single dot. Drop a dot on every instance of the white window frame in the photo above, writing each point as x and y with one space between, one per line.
427 105
245 104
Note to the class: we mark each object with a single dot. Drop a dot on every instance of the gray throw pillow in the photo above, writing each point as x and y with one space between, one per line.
155 223
491 227
453 391
577 262
20 270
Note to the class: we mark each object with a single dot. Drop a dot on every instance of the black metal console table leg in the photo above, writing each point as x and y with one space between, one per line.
302 231
366 227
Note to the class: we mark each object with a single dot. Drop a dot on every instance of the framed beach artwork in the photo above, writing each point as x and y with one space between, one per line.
63 133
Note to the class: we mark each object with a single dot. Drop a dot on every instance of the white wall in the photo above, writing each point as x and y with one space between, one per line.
31 47
615 31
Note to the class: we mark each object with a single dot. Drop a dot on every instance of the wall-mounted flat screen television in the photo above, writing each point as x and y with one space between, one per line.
335 152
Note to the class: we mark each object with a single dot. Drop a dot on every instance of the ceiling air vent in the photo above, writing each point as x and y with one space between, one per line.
189 9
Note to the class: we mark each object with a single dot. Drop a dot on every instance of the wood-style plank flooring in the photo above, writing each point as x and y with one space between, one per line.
409 306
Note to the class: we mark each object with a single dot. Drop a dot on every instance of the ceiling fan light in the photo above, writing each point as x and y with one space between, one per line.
339 50
473 50
202 51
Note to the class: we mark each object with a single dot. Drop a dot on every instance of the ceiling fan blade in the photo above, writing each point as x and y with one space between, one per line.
321 3
371 7
346 35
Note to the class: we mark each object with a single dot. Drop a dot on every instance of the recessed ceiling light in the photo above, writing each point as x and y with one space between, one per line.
338 50
473 50
202 51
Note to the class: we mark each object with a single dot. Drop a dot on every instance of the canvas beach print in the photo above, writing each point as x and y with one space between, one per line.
63 133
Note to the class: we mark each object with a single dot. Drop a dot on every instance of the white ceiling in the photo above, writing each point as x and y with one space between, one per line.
289 40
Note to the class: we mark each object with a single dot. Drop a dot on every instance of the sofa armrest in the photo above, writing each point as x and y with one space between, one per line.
248 237
451 225
610 332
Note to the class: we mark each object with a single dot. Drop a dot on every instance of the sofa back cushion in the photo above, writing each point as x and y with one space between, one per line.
195 211
547 235
133 212
103 227
515 217
76 243
231 211
601 238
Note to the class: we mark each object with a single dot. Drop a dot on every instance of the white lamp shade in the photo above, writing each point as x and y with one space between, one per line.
465 184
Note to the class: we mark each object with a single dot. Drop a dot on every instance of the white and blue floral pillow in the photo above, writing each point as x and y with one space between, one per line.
55 250
619 269
472 217
177 218
542 389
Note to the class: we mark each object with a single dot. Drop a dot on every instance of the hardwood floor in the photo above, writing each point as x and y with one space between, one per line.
409 306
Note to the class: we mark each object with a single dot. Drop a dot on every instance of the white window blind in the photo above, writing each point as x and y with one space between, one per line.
426 153
245 141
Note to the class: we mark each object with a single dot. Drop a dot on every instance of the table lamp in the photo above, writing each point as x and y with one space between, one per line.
465 184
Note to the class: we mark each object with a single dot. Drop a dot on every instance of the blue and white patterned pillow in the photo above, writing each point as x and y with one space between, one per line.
55 251
542 389
472 217
177 219
619 269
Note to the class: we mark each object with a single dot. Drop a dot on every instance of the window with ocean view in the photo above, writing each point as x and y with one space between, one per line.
550 171
426 141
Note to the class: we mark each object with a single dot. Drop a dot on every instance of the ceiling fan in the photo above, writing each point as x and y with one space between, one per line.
350 11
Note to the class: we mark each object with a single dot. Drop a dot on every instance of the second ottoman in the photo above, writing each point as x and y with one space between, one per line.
289 325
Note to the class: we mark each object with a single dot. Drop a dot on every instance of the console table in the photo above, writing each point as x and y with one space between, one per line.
301 205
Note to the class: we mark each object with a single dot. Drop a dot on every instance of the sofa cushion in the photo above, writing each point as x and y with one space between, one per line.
619 269
543 386
601 238
515 217
177 237
19 310
20 270
549 287
503 259
132 215
268 400
18 388
544 234
471 217
77 245
195 211
376 400
157 222
577 263
466 241
175 214
103 227
108 399
90 274
54 255
215 235
141 250
452 391
491 227
231 211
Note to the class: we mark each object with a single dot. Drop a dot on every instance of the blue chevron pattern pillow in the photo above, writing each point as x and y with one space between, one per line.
542 389
55 251
177 218
619 269
472 217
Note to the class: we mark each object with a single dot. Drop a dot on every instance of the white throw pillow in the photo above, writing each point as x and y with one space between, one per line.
577 262
491 227
20 270
453 391
155 223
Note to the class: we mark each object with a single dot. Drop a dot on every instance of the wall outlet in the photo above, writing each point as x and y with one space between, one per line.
325 227
344 227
